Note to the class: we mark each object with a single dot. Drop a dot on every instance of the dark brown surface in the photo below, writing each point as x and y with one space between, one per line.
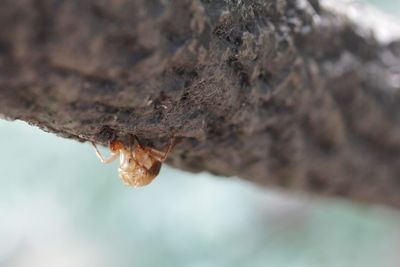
270 91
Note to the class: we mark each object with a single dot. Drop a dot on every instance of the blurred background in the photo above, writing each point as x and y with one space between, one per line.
59 206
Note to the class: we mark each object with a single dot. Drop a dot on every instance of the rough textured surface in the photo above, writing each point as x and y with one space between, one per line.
283 92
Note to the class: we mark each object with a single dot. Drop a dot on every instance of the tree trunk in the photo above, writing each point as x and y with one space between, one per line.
301 95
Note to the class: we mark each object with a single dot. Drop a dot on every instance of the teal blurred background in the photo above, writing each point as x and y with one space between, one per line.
389 6
59 206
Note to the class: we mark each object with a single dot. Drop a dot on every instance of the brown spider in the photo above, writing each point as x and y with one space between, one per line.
138 165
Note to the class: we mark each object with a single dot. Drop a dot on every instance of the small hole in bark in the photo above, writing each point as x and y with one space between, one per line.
185 96
238 41
244 79
283 45
265 76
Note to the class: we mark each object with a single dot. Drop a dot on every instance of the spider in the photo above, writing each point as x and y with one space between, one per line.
139 165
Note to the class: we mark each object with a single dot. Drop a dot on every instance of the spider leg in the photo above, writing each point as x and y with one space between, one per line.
113 156
154 153
137 140
159 155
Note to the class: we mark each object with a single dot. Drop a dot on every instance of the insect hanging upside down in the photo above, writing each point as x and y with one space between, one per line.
139 165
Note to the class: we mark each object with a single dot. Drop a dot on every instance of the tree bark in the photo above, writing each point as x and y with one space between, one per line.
285 93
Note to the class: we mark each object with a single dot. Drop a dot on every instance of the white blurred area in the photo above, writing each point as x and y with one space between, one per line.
380 24
38 231
59 206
